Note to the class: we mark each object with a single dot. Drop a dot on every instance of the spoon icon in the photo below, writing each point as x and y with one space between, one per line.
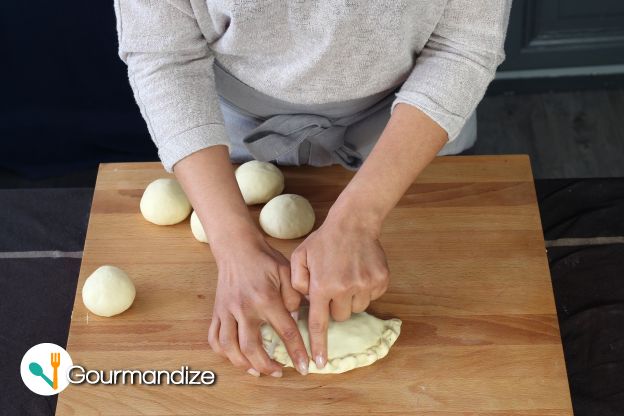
36 370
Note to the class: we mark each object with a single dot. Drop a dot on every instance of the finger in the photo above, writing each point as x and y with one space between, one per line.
213 335
318 320
228 341
291 298
251 347
300 275
383 282
378 291
289 333
360 302
340 308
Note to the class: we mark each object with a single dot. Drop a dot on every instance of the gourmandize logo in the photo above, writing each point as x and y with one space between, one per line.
48 369
44 369
55 361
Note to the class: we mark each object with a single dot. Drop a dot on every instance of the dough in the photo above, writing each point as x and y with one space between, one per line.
108 291
356 342
197 229
164 202
287 216
259 181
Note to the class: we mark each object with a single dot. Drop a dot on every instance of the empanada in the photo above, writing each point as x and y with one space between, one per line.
356 342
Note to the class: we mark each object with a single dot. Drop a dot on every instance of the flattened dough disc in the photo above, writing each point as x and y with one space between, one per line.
357 342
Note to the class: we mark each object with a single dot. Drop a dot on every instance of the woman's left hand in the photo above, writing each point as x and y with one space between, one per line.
341 267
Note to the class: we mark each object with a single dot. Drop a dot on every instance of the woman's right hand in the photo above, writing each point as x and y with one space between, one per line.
253 284
254 287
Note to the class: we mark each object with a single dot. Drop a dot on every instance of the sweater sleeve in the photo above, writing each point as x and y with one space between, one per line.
458 62
170 71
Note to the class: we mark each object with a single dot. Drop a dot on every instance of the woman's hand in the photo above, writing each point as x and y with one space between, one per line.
254 279
254 287
341 267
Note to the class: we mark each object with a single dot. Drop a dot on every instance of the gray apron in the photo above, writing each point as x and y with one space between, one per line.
264 128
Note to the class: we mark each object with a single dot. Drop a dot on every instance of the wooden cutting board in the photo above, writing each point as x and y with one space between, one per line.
470 281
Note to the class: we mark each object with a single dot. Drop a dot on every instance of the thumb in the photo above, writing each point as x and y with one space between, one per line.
299 271
291 298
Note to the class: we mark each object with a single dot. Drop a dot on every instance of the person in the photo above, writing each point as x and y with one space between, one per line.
381 87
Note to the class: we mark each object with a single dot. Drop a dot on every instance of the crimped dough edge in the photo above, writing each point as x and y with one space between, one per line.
337 365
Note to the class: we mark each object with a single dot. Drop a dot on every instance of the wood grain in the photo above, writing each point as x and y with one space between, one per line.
469 280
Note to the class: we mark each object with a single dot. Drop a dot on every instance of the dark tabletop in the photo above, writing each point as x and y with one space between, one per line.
43 226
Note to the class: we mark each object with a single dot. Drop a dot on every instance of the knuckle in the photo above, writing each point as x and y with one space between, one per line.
345 286
213 344
221 309
292 303
241 306
341 316
239 362
299 284
264 366
225 344
360 285
217 312
377 293
317 327
283 270
248 347
290 334
384 274
384 286
296 254
211 336
359 308
343 290
318 289
263 299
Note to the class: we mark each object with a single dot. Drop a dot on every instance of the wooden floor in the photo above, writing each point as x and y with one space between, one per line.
567 134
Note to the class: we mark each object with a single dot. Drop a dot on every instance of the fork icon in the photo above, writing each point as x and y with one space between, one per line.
55 361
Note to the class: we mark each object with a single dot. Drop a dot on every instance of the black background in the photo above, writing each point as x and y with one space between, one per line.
66 102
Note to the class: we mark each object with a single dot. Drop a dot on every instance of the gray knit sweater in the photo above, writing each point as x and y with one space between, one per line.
443 54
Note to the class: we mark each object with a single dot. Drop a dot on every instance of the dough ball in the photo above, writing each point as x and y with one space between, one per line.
198 229
287 216
164 202
259 181
108 291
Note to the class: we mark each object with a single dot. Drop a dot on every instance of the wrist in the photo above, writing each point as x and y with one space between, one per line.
226 239
351 213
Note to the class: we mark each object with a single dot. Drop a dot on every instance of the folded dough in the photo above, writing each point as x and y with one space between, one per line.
356 342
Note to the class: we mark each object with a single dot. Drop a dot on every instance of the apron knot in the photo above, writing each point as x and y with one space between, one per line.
308 135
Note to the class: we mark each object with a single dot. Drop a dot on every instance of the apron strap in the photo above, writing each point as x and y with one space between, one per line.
283 133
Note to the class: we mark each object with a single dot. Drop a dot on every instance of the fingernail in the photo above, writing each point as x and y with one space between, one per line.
295 315
303 367
320 361
253 372
276 373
